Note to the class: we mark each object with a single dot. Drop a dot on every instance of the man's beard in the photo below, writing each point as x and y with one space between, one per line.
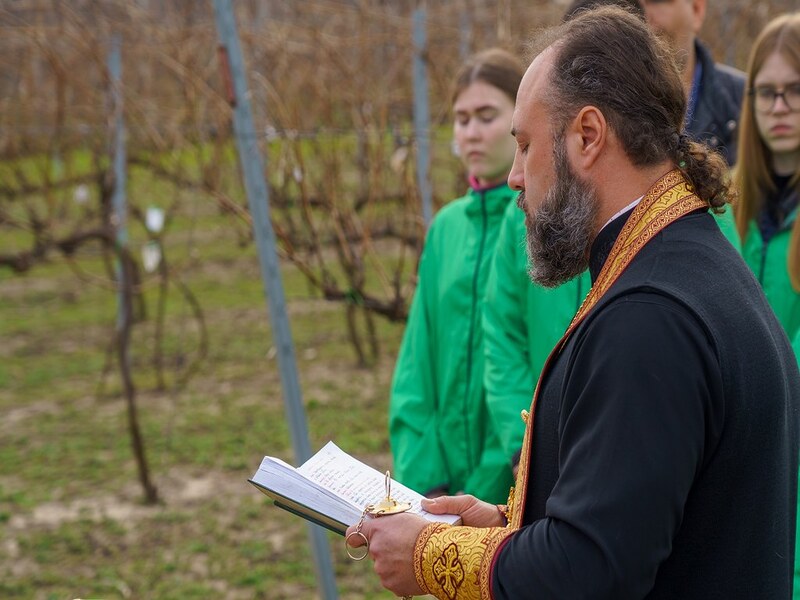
559 233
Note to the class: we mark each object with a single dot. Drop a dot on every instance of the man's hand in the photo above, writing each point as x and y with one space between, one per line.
392 537
391 546
474 512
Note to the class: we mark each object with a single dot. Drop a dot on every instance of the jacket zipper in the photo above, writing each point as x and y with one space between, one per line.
765 243
475 273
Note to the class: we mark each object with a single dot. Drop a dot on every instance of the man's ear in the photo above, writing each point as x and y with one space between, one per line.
587 137
698 14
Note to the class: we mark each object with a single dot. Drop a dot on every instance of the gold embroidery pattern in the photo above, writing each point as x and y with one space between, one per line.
448 571
455 562
670 198
509 512
658 212
419 549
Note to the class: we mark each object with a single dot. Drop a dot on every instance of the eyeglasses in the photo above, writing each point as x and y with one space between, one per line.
764 97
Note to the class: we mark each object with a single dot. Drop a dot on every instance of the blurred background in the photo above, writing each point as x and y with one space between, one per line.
127 437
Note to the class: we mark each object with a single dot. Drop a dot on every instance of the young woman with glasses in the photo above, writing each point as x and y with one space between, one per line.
768 168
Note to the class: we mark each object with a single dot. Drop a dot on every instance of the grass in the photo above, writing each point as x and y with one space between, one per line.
71 519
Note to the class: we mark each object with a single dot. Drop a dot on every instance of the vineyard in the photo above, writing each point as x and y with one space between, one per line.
127 436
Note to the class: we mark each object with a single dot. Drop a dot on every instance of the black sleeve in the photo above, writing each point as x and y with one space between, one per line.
638 401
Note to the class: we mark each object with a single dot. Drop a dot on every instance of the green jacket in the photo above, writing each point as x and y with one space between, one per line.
439 428
796 594
523 322
768 262
727 225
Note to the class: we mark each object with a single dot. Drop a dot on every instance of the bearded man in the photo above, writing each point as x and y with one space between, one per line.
661 449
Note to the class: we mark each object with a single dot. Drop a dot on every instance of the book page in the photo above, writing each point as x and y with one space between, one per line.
358 483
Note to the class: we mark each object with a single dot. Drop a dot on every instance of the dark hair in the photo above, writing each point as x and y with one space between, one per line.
608 58
578 6
494 66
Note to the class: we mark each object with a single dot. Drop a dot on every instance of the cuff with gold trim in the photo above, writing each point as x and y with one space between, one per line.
454 563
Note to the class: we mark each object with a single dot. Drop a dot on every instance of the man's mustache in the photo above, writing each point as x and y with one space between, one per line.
521 200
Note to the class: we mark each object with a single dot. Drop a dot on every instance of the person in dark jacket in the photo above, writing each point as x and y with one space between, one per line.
660 458
714 92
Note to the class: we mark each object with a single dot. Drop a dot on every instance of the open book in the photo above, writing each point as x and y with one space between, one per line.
332 488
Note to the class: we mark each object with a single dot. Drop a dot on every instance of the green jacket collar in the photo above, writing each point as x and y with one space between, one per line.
496 198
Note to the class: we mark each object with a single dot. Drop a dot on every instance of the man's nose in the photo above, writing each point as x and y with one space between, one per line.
516 178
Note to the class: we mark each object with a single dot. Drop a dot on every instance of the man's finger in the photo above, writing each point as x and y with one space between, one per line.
356 537
447 504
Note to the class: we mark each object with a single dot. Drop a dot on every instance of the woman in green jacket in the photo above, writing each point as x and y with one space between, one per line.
767 173
441 437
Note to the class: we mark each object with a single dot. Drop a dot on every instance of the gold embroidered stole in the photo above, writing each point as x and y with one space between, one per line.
456 562
670 198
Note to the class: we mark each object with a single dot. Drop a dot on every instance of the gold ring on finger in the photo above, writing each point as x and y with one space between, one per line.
347 546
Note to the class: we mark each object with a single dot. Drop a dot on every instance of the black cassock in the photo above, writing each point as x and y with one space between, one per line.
665 447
